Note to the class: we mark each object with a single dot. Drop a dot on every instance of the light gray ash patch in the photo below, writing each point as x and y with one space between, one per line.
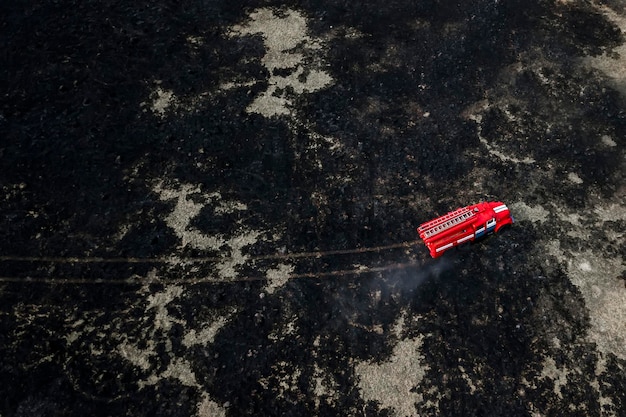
286 40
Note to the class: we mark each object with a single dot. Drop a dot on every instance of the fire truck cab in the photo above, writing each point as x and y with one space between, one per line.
465 224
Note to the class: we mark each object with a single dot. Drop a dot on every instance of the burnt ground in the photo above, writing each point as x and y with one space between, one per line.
209 208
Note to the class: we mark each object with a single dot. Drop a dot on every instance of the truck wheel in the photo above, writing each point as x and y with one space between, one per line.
504 228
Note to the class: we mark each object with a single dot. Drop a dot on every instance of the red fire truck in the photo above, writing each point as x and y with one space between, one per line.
464 225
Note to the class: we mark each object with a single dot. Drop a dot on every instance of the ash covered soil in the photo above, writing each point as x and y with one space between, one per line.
209 208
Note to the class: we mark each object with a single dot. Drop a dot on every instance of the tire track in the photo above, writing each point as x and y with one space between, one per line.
205 259
199 260
193 281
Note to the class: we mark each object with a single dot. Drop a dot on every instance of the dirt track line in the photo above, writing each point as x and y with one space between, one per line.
192 281
206 259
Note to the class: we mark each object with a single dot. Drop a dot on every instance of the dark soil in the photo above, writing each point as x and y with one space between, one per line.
87 245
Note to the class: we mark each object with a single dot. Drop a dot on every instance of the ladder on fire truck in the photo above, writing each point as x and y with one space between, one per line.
445 222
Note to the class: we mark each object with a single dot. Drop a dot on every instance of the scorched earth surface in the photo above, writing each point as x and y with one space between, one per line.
209 208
